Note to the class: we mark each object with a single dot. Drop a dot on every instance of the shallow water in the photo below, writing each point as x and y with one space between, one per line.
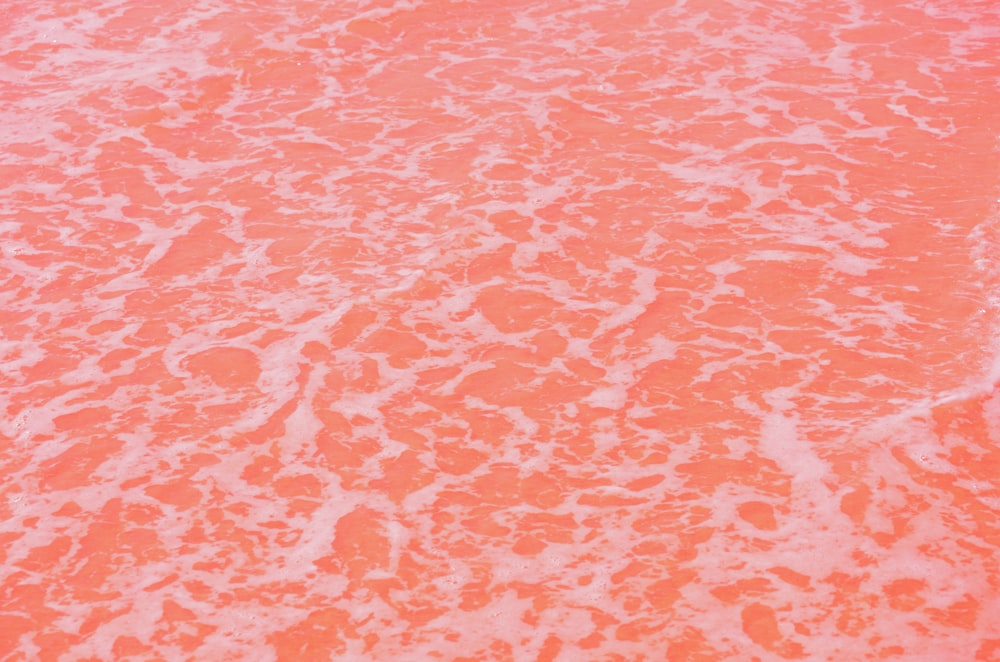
431 330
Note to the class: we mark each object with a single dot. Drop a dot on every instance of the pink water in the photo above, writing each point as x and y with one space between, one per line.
481 331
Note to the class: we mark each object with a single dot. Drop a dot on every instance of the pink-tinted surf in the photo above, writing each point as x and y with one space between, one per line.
425 330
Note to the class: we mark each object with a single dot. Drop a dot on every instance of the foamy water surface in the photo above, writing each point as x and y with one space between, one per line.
499 331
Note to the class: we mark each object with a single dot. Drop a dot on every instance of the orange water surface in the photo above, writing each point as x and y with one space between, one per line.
419 330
